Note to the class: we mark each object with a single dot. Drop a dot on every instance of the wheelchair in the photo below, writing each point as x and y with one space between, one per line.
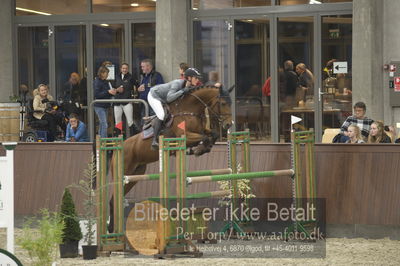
38 130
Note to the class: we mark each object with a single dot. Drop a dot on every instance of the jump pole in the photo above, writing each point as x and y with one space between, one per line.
114 241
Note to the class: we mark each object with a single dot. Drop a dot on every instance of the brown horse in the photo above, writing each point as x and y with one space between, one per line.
191 109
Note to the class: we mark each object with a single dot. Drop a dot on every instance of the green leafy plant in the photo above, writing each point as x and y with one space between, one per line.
14 98
243 189
42 242
85 185
72 230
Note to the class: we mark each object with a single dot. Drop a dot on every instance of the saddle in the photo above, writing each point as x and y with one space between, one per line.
148 131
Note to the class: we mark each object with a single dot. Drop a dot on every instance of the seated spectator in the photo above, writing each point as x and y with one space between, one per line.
358 118
76 130
354 134
397 140
377 133
43 112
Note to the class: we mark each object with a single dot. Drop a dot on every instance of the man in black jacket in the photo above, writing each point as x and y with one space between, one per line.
124 84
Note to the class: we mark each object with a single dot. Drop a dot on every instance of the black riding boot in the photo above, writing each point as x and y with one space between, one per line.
133 130
157 128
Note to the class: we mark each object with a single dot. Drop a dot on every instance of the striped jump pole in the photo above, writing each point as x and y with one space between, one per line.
135 178
116 240
250 175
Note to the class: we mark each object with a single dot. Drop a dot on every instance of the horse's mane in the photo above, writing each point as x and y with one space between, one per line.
222 92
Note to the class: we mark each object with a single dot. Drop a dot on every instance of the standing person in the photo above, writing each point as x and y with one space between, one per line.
354 134
167 93
76 130
71 88
182 68
42 112
102 90
124 84
306 81
290 81
148 79
377 133
358 118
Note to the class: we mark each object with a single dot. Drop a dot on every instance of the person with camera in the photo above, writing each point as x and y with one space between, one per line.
76 130
43 110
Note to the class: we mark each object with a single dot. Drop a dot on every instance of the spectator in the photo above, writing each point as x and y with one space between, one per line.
76 130
354 134
43 112
377 133
289 84
358 118
71 88
213 79
102 90
124 84
182 69
148 79
306 82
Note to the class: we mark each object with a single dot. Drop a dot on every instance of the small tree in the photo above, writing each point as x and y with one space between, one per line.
72 230
42 243
85 185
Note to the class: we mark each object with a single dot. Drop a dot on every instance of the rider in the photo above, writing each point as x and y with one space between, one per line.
167 93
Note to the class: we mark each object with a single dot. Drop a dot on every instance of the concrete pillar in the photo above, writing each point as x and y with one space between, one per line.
171 37
391 46
6 50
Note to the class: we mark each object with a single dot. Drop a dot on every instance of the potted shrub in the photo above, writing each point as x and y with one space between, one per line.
72 231
85 185
42 242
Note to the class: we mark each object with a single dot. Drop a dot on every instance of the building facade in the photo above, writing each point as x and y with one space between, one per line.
253 46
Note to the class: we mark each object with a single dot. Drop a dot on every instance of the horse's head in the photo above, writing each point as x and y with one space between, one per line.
220 107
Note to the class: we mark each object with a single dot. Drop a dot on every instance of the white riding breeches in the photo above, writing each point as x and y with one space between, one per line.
127 109
157 106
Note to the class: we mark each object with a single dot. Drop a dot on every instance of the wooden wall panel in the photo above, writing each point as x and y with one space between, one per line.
359 182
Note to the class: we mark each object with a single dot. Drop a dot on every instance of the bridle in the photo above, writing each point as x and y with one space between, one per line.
210 107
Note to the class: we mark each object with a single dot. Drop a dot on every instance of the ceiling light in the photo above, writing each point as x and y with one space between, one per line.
249 20
104 25
314 2
134 4
32 11
195 8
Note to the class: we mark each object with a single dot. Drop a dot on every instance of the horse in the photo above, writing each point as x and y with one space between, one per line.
191 108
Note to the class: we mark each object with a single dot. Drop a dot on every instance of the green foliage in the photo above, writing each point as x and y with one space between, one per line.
85 185
42 243
243 188
14 98
72 230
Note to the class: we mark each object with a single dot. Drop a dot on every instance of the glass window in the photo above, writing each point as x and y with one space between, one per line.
50 7
305 2
104 6
212 4
108 40
33 58
211 52
253 77
336 79
211 49
144 45
295 73
71 63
